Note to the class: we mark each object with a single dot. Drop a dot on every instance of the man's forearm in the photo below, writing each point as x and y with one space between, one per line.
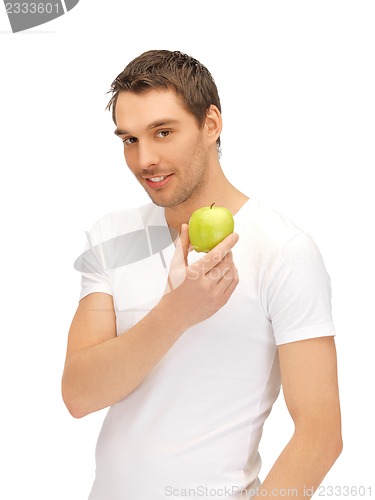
102 375
301 466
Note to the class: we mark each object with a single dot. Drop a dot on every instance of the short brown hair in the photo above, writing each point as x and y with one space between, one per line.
157 69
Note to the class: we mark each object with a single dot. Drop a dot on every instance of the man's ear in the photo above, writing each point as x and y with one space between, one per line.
213 123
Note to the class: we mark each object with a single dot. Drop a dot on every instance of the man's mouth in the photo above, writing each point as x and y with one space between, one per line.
159 181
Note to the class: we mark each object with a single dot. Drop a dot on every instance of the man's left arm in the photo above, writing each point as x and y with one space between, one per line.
310 387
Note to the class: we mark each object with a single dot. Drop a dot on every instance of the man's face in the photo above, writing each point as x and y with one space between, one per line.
163 145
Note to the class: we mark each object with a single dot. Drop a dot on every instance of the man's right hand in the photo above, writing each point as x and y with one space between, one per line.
200 289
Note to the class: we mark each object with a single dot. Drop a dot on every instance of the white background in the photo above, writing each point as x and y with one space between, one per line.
296 80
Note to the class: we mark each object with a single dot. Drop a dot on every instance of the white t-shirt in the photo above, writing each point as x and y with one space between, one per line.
192 427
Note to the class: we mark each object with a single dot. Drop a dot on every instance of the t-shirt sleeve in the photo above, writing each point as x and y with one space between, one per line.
92 266
299 293
94 282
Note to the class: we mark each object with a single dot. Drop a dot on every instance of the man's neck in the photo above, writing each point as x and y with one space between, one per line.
224 194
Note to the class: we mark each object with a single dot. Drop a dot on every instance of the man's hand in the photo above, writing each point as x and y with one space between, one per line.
202 288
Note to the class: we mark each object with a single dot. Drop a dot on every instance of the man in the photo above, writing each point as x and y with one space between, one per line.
187 349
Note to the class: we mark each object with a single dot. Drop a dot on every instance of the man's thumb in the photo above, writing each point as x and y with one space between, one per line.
177 271
185 242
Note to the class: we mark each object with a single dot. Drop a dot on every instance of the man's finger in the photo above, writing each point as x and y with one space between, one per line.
217 254
185 242
177 271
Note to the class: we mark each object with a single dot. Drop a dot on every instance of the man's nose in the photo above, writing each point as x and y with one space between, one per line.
148 155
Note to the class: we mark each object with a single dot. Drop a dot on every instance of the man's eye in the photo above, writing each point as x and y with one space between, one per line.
129 140
163 133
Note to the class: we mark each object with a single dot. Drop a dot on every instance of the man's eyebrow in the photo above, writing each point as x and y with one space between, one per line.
162 123
120 132
157 123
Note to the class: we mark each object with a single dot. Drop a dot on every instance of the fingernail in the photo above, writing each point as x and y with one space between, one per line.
235 236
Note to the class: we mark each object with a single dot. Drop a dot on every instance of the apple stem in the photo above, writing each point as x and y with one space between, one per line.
212 204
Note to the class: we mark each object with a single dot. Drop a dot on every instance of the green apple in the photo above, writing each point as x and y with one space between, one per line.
208 226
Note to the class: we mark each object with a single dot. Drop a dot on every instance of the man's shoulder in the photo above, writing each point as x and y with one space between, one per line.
269 226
